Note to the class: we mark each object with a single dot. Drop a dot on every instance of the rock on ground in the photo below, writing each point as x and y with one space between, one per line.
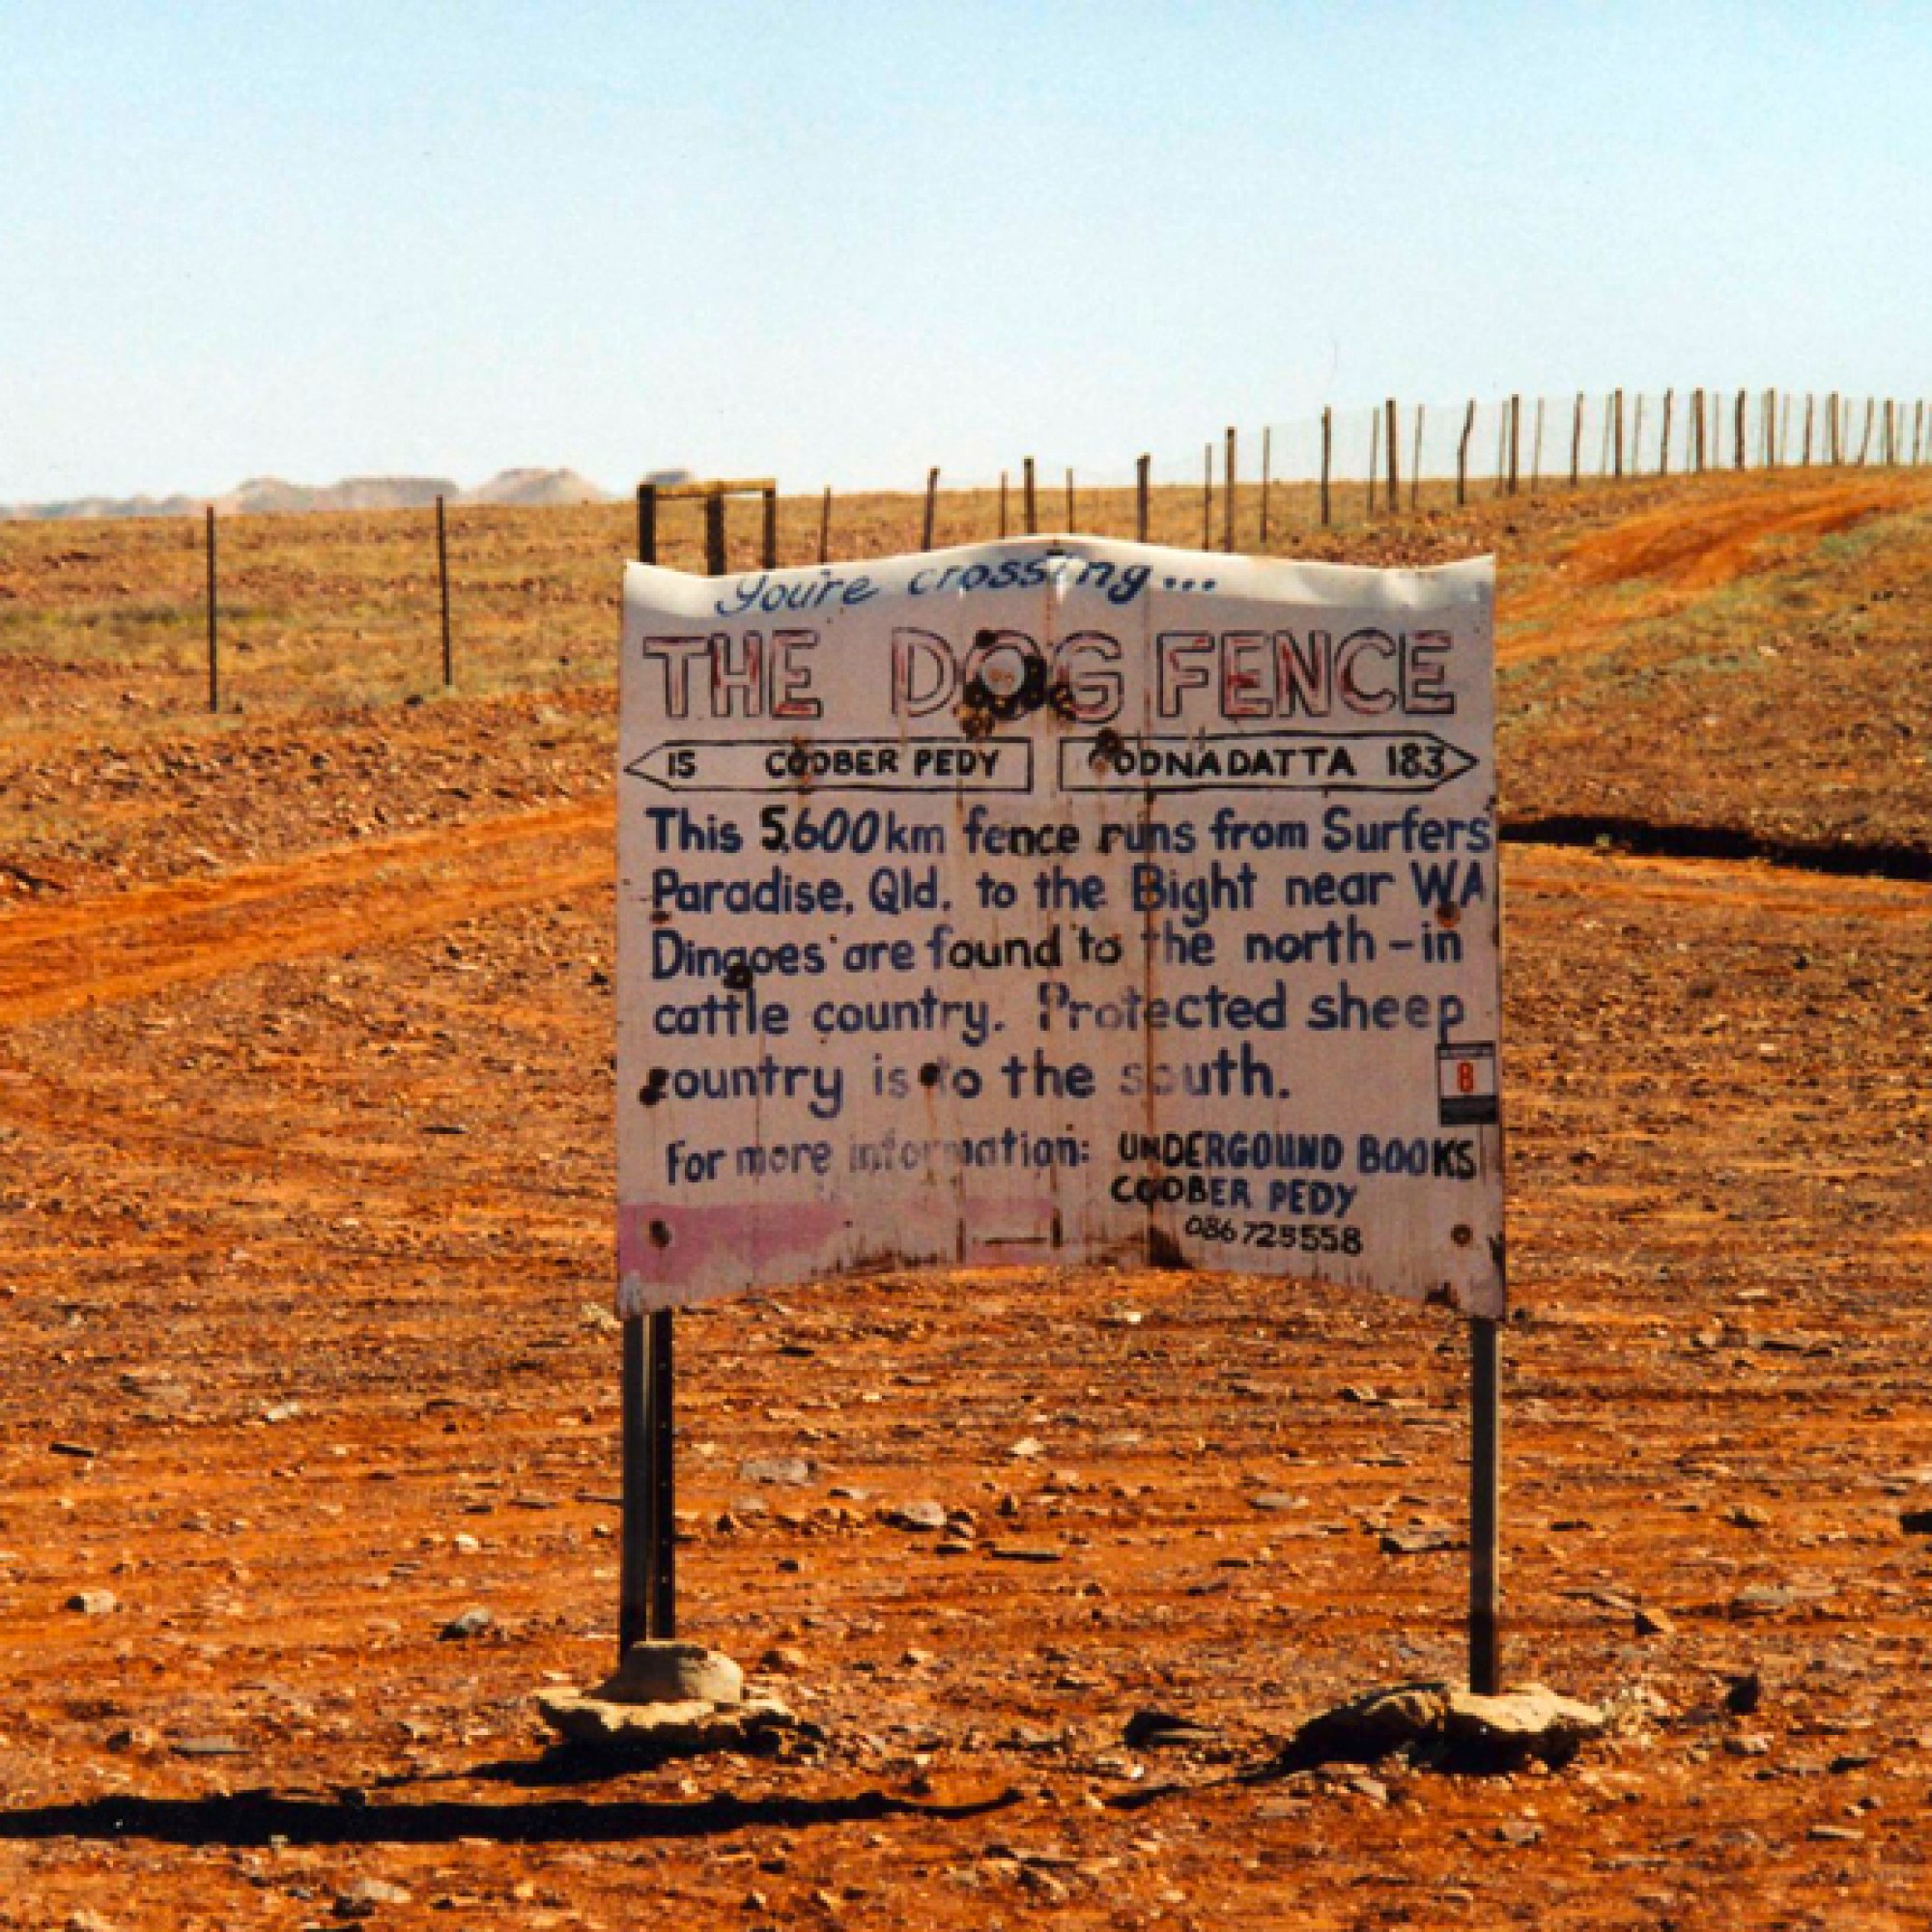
671 1730
366 1896
1446 1729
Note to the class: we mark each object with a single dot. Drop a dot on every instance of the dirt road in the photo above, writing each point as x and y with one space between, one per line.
1660 558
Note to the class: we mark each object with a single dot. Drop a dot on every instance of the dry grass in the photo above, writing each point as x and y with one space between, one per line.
1625 603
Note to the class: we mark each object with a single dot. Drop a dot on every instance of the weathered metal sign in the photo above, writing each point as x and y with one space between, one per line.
1058 899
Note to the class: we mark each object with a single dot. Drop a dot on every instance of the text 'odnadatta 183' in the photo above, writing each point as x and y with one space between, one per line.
1054 900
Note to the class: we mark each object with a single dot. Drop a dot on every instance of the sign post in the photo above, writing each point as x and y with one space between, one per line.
1052 900
634 1592
1485 1505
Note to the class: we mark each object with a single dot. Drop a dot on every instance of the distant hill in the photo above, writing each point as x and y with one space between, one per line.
269 496
105 506
536 489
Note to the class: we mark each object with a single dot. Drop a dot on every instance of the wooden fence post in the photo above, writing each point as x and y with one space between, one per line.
771 530
1415 461
1617 406
1072 515
1636 436
1208 496
714 534
1327 458
1143 478
1462 454
1374 462
1738 451
1664 439
931 507
1577 444
443 589
1785 429
1268 461
1864 441
1029 499
1392 436
1810 402
1002 503
1516 440
1536 450
1499 480
214 635
825 527
647 522
1228 507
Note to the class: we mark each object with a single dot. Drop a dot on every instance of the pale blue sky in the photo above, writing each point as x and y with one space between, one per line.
839 242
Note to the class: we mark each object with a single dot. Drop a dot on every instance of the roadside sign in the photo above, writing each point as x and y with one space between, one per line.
1059 899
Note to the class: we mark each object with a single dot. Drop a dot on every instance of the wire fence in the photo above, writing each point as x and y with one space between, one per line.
366 607
1346 466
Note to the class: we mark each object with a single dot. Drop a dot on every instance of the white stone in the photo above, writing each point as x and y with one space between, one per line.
674 1673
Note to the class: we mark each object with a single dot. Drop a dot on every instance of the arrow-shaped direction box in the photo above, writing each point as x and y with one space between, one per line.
1367 762
838 764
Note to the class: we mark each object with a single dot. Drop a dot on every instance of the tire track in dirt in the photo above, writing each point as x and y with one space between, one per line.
110 950
1676 552
123 948
1699 546
129 946
139 944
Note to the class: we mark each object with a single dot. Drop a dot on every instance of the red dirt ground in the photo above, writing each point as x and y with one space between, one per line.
304 1103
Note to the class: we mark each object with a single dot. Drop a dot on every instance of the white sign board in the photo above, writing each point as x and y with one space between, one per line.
1059 899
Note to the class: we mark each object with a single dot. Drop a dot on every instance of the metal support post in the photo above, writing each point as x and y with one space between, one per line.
633 1595
647 1586
661 1515
1485 1505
